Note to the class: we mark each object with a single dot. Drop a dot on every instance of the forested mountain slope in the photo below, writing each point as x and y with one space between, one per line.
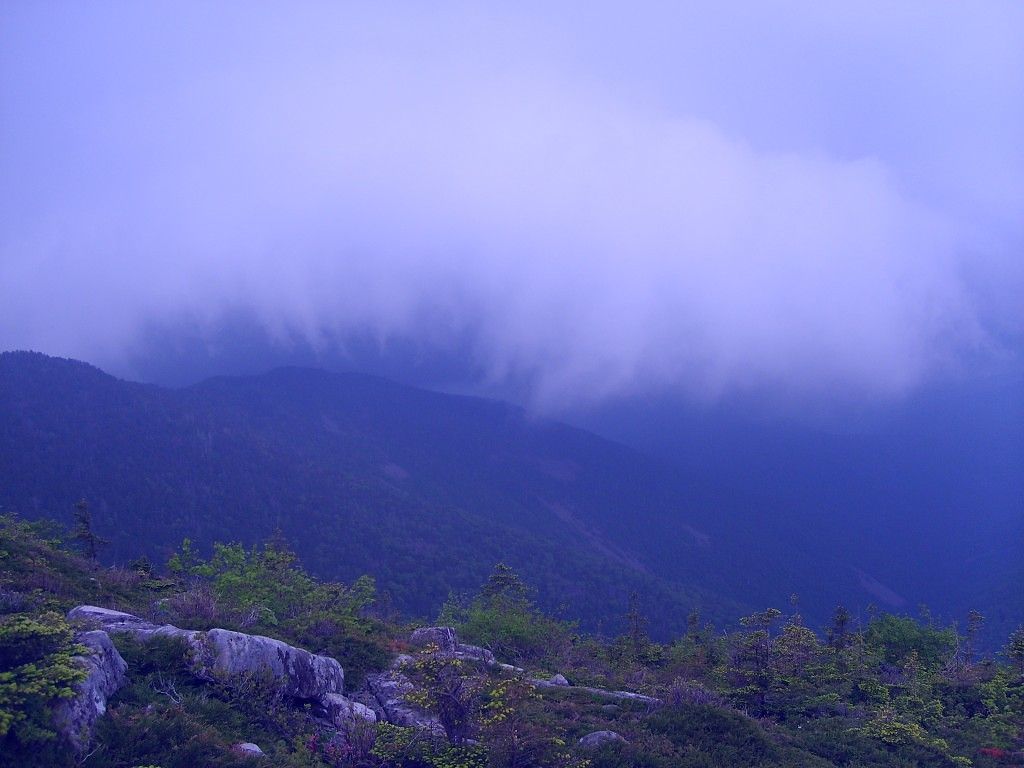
425 491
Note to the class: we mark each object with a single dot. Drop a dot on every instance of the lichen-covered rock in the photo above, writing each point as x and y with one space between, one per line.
390 689
76 717
600 738
443 637
343 712
299 673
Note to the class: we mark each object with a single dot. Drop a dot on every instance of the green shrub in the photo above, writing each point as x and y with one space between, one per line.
897 637
503 618
37 668
406 747
170 737
727 737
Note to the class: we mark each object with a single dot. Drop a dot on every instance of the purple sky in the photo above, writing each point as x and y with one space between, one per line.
799 198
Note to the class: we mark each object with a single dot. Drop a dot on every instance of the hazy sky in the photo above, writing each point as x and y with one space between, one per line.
800 198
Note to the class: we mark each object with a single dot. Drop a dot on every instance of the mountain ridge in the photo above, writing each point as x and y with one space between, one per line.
424 490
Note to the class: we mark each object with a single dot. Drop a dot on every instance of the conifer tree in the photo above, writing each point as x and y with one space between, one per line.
975 620
503 583
83 535
637 623
838 632
1015 649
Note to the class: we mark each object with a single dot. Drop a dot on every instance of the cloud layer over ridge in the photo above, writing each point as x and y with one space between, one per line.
785 197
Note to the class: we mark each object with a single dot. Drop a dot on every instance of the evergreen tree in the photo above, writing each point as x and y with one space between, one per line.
693 623
839 631
975 620
503 583
83 535
1015 649
637 626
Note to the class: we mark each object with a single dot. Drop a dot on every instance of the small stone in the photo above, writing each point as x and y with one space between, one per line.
600 738
248 749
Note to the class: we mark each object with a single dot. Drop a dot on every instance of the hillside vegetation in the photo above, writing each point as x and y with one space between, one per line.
891 691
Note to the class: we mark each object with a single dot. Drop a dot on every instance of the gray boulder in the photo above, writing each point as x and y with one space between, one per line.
443 637
343 712
300 673
76 717
558 680
475 653
127 624
598 739
248 749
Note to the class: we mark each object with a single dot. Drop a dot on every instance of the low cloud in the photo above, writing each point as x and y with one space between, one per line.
485 182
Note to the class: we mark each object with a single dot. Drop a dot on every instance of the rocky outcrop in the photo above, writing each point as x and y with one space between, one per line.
106 671
118 622
299 673
475 653
598 739
620 695
447 642
216 653
554 682
389 689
